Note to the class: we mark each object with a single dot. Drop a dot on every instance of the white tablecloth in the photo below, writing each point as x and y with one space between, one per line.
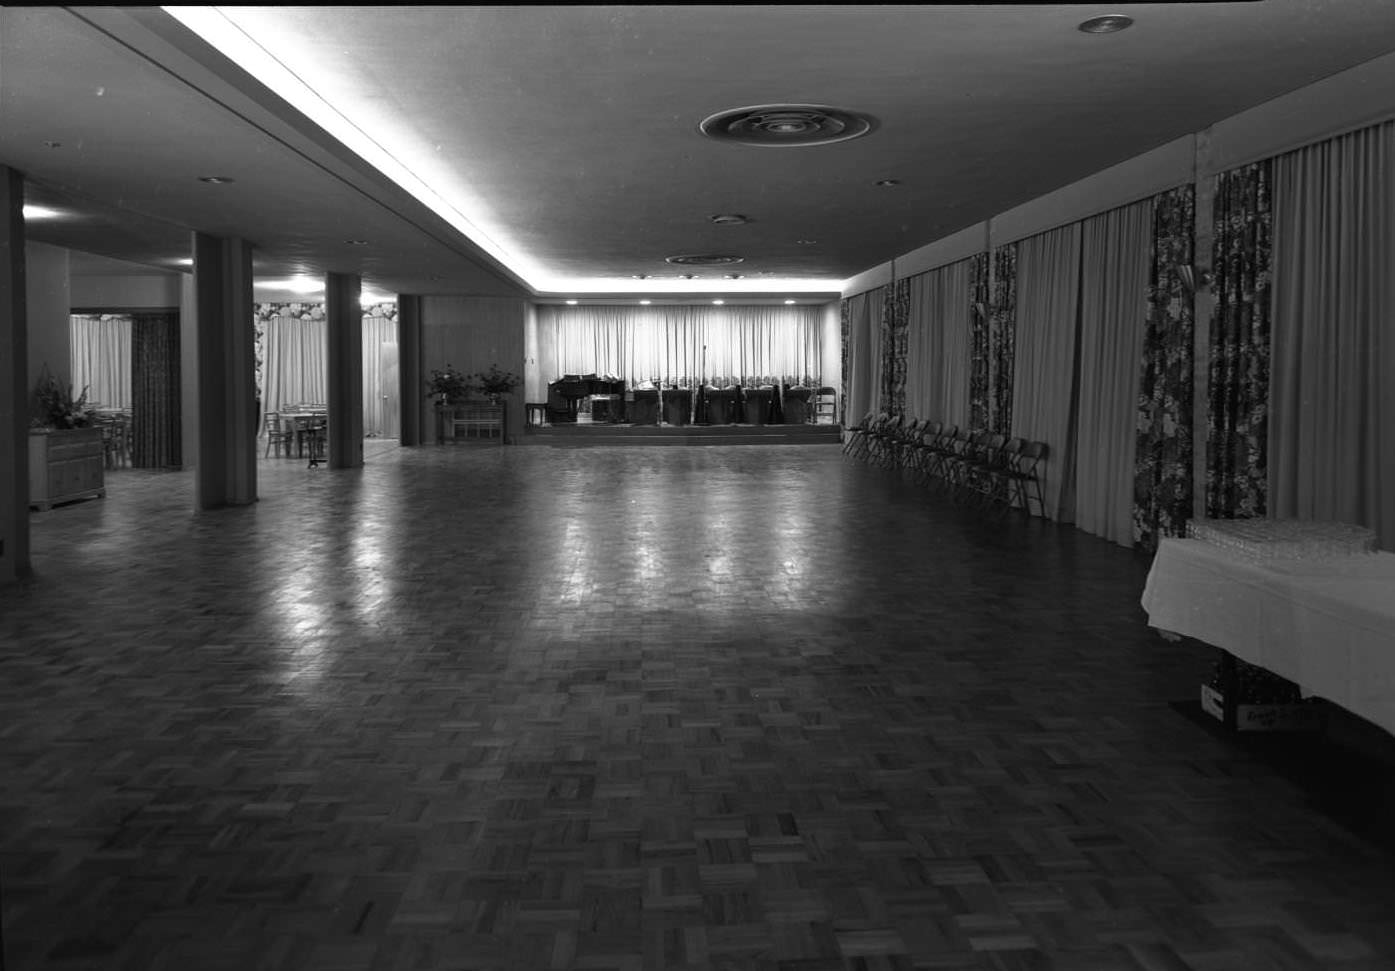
1328 625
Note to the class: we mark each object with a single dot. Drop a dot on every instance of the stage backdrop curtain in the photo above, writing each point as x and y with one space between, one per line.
155 391
979 380
1002 338
1332 417
685 345
1163 457
100 358
863 371
939 317
1237 462
1045 371
1113 312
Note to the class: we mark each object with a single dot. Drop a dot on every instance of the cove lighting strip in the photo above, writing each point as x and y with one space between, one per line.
235 43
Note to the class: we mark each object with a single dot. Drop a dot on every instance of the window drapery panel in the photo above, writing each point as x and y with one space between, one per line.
295 369
1331 441
1163 458
844 331
155 391
978 341
684 345
938 339
1042 398
1237 443
863 370
1114 267
895 326
381 411
100 358
1002 338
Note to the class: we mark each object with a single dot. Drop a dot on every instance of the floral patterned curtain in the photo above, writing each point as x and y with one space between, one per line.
155 416
1237 449
896 319
978 341
845 315
1163 448
1002 338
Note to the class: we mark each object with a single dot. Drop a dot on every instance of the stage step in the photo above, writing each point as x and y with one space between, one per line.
583 435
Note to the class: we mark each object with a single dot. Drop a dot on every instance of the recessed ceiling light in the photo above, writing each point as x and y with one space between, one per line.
888 183
645 303
729 219
41 212
571 303
788 302
216 179
718 303
1108 24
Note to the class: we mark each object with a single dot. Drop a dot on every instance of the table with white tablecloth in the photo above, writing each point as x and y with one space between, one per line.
1326 623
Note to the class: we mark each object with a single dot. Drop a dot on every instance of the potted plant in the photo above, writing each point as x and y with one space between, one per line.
55 408
448 386
495 383
66 451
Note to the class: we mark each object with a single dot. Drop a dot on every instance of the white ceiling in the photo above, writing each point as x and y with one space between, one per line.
569 133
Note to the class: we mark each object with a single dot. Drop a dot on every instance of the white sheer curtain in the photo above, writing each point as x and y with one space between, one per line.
1115 252
683 344
1044 373
100 358
380 405
295 366
1332 393
937 347
864 377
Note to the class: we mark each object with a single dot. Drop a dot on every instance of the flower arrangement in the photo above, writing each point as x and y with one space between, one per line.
55 406
495 381
448 384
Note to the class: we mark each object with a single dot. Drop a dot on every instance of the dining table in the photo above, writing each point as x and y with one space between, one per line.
309 428
1324 622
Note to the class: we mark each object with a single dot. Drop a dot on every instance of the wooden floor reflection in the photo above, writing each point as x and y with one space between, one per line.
704 708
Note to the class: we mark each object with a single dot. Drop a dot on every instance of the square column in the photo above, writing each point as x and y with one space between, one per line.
14 382
344 353
226 391
410 386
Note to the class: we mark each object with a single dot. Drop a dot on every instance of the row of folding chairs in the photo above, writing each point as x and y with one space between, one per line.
979 467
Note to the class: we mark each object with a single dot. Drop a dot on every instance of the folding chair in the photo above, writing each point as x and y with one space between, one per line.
1025 479
918 454
858 433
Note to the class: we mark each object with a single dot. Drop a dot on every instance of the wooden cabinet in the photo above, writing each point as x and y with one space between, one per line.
65 465
471 419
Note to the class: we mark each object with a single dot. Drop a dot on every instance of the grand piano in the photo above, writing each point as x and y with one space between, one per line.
565 395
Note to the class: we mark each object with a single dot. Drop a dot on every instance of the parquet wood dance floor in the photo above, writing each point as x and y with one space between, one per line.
723 708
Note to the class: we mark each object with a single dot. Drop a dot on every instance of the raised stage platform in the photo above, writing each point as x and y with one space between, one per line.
583 435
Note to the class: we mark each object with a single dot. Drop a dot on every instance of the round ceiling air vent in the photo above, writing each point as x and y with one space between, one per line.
786 126
704 259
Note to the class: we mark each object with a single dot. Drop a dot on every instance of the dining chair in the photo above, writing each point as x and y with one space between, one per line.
278 435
